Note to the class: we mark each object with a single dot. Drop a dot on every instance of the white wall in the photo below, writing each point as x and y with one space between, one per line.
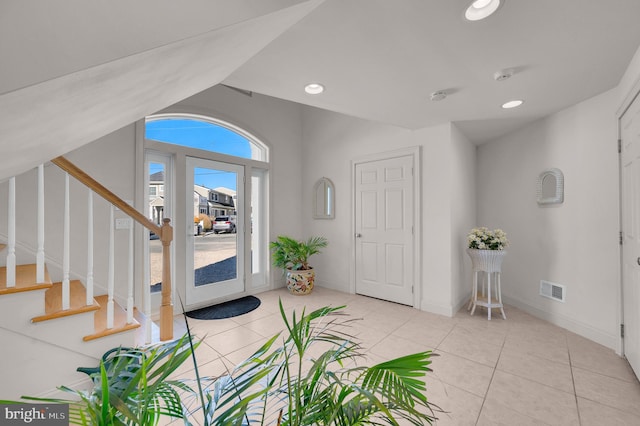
332 141
462 175
575 243
629 82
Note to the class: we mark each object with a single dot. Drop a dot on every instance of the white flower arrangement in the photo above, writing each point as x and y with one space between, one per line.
484 239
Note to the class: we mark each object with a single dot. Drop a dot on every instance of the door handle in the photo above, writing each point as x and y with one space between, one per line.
638 261
357 235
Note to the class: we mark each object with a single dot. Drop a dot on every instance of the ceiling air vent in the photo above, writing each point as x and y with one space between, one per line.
552 291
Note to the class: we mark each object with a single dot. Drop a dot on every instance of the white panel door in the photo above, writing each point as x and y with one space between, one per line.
630 181
384 222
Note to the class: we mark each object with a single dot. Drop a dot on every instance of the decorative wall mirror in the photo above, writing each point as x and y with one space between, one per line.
550 187
323 199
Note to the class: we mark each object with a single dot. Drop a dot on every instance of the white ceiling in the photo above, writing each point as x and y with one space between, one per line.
44 114
42 39
381 59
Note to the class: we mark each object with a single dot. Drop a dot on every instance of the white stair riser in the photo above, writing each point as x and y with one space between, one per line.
126 339
21 307
67 333
38 367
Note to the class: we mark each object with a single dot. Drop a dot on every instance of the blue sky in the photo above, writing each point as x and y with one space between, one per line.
201 135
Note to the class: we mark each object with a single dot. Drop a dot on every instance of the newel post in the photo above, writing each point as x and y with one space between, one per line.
166 309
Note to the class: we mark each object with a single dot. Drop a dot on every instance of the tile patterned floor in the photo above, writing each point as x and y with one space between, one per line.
522 371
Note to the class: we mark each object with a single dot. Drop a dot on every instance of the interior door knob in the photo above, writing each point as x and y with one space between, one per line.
360 235
638 261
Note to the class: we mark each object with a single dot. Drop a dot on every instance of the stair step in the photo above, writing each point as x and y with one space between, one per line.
77 300
25 279
119 320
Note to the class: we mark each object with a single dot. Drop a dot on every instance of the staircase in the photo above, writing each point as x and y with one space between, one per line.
48 329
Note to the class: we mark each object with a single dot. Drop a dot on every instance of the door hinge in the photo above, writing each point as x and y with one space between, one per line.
622 330
619 146
621 239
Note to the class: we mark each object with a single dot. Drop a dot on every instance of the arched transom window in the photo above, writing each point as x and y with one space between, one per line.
204 133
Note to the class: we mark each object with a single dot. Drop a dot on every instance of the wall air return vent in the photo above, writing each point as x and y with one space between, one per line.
553 291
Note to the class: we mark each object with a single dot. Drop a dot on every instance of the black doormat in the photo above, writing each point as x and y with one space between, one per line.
229 309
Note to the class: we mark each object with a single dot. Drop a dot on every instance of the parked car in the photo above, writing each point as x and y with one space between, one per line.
224 224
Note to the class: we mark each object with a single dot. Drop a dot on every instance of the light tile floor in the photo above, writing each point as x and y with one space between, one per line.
519 371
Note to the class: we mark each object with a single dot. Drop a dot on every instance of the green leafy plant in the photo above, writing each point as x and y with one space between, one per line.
289 253
132 388
309 375
314 378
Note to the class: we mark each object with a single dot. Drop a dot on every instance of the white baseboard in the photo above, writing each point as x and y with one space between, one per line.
439 309
585 330
331 285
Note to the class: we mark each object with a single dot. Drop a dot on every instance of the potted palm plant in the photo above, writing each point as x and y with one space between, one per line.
310 374
316 376
293 257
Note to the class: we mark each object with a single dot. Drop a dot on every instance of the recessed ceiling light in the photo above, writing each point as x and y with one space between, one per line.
512 104
481 9
314 88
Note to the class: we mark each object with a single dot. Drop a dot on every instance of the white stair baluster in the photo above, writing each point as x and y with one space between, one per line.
66 296
40 225
11 237
111 272
90 249
130 275
146 290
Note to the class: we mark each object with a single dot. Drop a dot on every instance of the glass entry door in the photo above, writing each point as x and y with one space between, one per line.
215 215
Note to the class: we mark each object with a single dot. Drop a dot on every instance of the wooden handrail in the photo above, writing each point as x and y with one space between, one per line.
99 189
164 232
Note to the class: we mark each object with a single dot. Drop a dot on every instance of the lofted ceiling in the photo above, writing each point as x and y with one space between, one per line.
76 70
381 59
41 39
78 97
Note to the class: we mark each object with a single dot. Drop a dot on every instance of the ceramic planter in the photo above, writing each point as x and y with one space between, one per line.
300 282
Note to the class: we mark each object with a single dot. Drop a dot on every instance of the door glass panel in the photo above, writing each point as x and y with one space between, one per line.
215 257
214 202
156 213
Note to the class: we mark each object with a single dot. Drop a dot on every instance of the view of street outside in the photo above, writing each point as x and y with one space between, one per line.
214 259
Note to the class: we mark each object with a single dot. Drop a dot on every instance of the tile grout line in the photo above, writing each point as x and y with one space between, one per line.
573 380
493 373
